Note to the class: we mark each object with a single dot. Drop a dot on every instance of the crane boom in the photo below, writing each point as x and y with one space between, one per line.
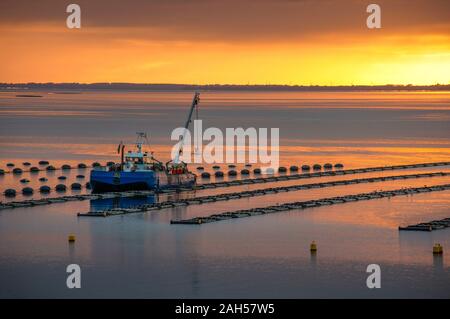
194 104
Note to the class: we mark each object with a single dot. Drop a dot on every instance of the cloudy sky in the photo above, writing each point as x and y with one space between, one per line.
324 42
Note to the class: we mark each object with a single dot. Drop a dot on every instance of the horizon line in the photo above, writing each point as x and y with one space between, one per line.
219 84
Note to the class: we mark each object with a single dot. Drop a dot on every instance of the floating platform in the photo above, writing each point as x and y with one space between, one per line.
266 191
429 226
307 204
62 199
258 192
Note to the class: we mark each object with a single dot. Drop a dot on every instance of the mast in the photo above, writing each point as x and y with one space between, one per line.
194 104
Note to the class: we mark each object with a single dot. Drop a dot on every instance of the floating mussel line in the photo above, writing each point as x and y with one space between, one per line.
48 167
281 169
45 189
248 193
245 171
295 168
63 188
204 175
289 206
27 203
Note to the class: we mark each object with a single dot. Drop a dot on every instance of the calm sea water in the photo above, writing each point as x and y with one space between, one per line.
268 256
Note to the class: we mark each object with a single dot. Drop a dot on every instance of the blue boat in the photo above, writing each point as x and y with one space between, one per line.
139 170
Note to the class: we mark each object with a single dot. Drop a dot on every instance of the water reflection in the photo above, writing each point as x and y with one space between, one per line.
142 255
438 264
120 202
72 255
313 260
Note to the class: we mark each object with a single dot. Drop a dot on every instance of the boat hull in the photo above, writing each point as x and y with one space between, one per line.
110 181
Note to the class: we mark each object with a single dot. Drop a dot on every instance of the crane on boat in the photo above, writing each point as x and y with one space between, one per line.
194 106
139 170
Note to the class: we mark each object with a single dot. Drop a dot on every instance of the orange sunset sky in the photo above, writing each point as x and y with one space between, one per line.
320 42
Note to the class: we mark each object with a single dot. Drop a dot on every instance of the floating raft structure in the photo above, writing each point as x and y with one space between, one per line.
251 193
270 179
47 168
29 203
292 176
308 204
429 226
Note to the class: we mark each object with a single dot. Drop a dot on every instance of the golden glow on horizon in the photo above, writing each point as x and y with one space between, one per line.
48 53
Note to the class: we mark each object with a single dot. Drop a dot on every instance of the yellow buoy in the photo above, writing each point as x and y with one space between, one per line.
313 247
437 249
71 238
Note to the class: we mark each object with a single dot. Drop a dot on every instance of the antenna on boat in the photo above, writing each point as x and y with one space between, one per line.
194 105
141 140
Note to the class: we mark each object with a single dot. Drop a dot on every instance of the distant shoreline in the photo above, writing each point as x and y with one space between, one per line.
216 87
